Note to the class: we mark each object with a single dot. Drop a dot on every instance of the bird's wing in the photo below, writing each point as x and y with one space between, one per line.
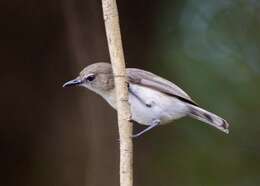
148 79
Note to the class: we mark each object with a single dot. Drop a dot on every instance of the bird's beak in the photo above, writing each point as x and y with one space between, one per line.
73 82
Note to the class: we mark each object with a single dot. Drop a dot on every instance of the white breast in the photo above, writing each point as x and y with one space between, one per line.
163 107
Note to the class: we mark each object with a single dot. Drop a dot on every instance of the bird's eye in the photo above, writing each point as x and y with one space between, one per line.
91 77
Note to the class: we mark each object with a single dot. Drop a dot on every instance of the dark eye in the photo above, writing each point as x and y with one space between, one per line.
91 77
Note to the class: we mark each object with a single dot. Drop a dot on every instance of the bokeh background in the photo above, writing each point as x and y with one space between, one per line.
50 136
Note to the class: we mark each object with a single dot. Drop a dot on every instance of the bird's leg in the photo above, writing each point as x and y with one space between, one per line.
155 123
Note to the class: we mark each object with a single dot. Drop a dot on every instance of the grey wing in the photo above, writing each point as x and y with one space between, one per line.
148 79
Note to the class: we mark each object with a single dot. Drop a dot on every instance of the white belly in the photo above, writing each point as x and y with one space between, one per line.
163 107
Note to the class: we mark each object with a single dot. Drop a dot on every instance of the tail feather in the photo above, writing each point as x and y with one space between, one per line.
208 117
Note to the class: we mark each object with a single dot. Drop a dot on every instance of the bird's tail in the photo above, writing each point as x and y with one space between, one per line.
209 118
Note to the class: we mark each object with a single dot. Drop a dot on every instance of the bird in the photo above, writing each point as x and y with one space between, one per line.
154 101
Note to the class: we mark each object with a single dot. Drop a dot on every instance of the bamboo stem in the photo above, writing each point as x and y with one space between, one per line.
112 27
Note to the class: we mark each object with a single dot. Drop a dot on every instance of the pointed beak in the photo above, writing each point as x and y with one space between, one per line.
73 82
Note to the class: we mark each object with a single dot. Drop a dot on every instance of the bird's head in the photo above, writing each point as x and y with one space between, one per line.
97 77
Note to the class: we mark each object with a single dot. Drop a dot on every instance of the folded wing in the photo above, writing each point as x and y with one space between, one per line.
148 79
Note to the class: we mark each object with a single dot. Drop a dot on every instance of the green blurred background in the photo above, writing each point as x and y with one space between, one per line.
52 136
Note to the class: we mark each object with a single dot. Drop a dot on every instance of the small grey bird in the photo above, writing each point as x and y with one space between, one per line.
153 100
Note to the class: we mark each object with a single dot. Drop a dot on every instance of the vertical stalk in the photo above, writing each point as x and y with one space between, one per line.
112 27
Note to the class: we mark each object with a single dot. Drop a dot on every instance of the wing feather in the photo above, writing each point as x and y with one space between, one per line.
148 79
